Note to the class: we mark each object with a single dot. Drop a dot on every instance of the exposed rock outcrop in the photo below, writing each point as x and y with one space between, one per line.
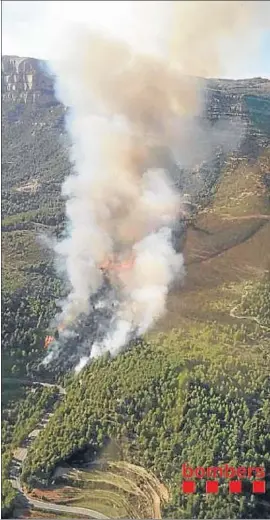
26 80
32 115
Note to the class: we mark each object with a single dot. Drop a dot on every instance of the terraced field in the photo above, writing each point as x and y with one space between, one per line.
115 489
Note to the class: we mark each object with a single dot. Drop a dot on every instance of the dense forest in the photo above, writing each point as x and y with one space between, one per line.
194 396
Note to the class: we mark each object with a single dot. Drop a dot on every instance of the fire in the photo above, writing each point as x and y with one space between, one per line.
111 265
48 341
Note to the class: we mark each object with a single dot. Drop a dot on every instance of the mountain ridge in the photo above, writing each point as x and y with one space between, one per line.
22 75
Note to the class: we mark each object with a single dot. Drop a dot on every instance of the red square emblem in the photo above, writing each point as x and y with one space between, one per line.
235 486
188 486
258 486
211 486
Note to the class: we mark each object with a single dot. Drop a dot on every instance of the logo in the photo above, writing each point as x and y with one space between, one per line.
235 477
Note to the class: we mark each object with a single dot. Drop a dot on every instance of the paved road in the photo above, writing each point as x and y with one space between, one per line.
21 456
48 506
31 382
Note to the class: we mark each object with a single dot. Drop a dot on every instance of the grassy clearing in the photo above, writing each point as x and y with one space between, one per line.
44 211
224 236
241 190
24 216
108 478
20 249
107 502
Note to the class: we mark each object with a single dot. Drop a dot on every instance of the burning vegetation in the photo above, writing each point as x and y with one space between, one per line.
129 110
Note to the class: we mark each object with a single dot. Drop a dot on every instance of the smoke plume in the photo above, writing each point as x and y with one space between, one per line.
125 104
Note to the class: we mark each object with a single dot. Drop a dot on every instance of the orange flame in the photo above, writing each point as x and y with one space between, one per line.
110 265
48 341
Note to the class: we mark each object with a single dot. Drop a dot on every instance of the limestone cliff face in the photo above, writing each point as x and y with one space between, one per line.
26 80
247 100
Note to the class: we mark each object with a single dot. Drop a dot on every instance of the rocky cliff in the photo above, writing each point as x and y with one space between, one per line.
26 80
34 132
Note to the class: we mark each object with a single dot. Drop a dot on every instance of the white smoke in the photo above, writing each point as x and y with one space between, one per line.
122 105
82 363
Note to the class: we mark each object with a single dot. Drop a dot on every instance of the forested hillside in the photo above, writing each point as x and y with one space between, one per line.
195 390
200 396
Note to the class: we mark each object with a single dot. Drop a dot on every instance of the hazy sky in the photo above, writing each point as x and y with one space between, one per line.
27 27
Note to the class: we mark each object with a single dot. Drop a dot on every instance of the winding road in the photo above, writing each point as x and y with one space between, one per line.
252 318
21 454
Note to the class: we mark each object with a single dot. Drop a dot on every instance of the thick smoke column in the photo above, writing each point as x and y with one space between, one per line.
124 105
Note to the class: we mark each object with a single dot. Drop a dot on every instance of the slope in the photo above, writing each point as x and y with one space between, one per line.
197 394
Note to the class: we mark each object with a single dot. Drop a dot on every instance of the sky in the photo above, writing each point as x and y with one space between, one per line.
27 28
